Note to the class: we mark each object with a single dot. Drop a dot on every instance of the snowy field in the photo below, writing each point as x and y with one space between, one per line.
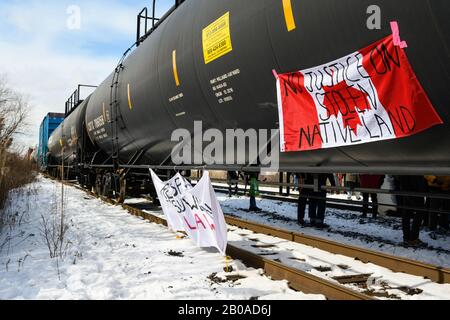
112 255
384 234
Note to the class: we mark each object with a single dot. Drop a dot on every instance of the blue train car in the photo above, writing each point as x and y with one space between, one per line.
48 125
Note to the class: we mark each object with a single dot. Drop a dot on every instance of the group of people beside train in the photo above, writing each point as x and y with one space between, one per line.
422 201
317 199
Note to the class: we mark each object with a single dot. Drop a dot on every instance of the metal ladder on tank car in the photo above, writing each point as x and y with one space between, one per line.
114 107
118 177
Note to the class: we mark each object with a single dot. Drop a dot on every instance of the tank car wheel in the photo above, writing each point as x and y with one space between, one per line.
107 186
91 182
99 185
80 179
86 184
122 190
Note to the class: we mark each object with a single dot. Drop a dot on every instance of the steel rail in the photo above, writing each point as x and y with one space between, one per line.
268 195
297 279
444 196
397 264
340 204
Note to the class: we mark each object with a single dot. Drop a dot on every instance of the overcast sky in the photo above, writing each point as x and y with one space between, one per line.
45 57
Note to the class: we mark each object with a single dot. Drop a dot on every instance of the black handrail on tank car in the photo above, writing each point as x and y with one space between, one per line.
143 15
74 100
155 21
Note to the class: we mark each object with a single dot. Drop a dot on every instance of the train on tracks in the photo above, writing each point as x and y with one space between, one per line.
212 61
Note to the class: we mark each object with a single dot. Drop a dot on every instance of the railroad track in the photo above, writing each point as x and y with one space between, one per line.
396 264
297 279
435 273
300 280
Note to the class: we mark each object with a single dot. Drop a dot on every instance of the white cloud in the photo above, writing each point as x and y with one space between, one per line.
46 60
48 79
47 70
46 21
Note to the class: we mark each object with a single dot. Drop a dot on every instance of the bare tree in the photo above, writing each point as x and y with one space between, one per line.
13 113
14 172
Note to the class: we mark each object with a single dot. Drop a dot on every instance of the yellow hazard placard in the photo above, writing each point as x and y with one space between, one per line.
217 39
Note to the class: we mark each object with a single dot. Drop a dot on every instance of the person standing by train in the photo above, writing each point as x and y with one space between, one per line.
296 182
369 181
352 182
413 208
233 182
306 196
317 200
439 185
253 179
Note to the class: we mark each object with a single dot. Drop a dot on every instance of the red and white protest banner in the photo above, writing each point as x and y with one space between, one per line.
203 217
194 210
370 95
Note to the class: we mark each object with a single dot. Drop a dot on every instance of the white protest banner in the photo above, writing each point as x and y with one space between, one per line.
203 216
170 195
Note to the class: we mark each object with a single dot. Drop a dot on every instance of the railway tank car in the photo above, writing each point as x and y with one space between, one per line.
68 142
171 79
166 83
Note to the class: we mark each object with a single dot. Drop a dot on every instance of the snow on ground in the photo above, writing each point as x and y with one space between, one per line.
113 255
383 283
384 234
117 256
